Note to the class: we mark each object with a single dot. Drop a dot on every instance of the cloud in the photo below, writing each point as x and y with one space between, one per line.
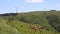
58 5
34 1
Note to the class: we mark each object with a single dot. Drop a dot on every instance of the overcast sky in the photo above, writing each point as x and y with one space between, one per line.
7 6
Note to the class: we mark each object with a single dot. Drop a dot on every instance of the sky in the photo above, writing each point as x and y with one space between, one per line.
13 6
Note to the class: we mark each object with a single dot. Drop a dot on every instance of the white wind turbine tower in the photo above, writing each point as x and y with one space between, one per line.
16 10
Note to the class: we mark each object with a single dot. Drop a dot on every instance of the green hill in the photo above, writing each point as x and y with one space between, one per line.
19 23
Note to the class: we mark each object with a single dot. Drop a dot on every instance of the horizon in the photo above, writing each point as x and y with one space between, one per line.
29 11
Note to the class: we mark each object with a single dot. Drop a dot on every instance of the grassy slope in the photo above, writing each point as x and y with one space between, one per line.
40 16
15 26
7 29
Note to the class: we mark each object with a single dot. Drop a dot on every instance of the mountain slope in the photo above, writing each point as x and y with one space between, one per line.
7 29
21 22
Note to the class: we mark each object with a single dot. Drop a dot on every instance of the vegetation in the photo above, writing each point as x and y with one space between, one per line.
39 22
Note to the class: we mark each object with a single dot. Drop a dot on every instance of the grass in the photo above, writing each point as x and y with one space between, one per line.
7 29
14 27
